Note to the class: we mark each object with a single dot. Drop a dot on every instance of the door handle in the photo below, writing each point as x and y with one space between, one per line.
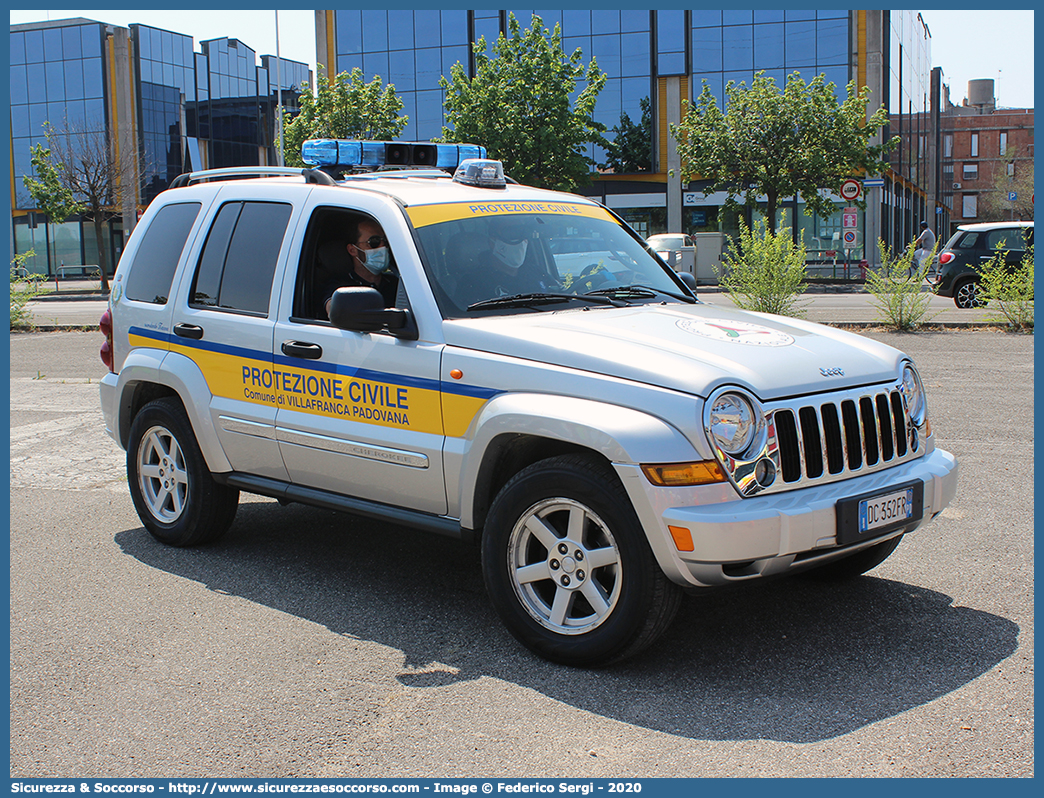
302 349
188 331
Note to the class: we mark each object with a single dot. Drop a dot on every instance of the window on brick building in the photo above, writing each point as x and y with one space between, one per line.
971 171
1003 142
975 145
948 145
970 206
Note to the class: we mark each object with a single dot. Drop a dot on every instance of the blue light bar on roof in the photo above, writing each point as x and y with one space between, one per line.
347 154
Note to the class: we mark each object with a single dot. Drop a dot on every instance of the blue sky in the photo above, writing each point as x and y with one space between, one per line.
967 44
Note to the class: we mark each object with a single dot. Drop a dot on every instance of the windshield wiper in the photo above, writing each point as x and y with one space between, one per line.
540 298
635 290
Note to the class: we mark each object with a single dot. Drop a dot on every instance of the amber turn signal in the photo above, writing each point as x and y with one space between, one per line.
673 475
682 538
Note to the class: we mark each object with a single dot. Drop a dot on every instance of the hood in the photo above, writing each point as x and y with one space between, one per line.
689 348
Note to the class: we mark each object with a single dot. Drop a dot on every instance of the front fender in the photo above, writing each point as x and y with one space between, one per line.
181 375
620 434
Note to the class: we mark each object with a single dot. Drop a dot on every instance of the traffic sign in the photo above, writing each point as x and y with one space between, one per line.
1012 196
850 239
851 189
850 217
873 182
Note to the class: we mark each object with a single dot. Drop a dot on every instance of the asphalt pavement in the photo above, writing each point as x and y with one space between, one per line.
313 643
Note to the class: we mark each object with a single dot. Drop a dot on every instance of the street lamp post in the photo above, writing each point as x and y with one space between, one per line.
279 97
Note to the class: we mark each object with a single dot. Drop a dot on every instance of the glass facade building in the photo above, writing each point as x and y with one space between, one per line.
663 57
181 110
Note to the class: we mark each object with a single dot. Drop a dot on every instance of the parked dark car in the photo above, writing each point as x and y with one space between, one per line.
969 249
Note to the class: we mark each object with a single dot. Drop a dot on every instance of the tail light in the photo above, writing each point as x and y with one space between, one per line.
945 258
105 325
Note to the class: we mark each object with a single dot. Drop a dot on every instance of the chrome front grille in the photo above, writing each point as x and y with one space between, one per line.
824 438
839 437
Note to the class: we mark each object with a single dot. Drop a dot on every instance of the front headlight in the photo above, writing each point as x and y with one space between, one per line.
732 423
917 405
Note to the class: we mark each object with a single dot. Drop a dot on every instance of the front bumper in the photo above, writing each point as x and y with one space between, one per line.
739 539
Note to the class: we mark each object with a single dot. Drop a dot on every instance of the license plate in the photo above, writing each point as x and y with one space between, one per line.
881 511
873 514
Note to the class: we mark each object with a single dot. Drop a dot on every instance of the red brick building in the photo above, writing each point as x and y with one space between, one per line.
987 158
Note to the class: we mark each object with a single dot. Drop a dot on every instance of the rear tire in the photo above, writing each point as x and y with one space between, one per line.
568 568
174 492
966 295
856 564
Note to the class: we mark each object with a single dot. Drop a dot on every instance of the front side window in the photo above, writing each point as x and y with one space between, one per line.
239 258
477 255
342 249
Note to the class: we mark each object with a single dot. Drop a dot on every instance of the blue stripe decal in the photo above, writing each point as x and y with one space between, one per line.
474 391
205 346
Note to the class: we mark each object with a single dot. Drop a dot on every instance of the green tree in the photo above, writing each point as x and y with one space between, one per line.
343 108
1013 173
518 106
765 272
24 288
631 147
1009 288
780 143
80 172
898 290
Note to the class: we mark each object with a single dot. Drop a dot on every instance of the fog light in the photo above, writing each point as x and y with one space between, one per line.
765 472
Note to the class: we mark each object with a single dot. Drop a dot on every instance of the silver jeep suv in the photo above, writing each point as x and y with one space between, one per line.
542 385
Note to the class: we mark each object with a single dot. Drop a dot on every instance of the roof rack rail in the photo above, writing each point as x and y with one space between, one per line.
310 175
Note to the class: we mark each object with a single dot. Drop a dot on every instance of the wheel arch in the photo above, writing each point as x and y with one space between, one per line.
516 430
147 376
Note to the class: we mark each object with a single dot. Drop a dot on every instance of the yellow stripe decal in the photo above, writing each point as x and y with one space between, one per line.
370 397
424 215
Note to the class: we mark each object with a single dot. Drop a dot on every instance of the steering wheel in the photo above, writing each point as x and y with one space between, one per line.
588 270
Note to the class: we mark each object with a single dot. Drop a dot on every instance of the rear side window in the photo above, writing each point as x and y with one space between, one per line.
969 240
238 262
1009 239
152 271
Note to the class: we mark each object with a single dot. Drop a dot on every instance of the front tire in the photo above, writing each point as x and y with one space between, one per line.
568 568
174 493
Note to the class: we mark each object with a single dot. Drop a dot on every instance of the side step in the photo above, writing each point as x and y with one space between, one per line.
286 492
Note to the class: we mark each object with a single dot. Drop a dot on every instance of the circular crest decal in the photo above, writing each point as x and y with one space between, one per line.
737 332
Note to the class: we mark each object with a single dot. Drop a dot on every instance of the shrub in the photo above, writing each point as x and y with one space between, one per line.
24 287
1010 290
898 288
767 273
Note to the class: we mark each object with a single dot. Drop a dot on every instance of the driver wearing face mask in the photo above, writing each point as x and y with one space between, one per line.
509 270
371 263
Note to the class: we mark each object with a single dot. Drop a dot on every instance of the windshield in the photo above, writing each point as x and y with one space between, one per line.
541 260
669 242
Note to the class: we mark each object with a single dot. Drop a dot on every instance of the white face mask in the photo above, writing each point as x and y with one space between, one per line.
376 261
512 255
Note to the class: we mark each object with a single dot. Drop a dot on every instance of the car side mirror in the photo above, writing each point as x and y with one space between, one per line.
688 279
361 309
